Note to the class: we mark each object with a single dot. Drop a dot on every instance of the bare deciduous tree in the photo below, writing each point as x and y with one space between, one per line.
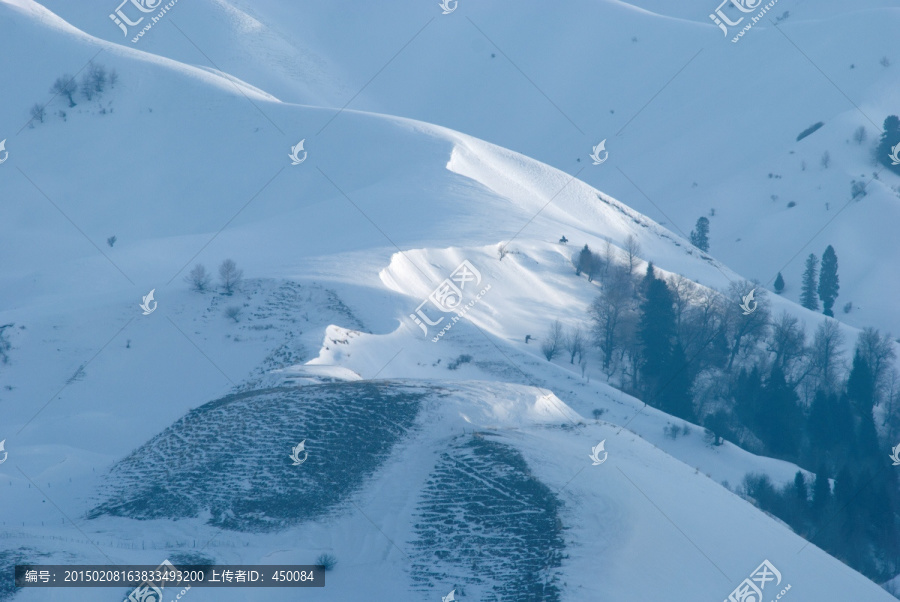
745 331
788 344
198 278
892 395
230 276
65 86
87 86
574 343
827 355
93 81
98 77
684 293
233 312
38 112
606 312
632 252
553 341
878 351
609 259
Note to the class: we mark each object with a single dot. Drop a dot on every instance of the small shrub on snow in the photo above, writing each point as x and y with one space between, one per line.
326 561
462 359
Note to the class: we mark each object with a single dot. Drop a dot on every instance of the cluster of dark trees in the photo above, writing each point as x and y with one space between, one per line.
94 82
760 381
856 520
820 285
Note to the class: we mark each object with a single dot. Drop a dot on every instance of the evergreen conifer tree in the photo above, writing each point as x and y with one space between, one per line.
808 297
821 495
801 489
675 396
700 234
860 387
829 283
779 417
584 261
656 330
779 283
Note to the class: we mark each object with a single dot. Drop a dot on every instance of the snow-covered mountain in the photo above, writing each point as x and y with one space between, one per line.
492 70
462 464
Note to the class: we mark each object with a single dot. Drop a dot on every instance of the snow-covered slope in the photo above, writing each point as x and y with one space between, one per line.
185 164
702 124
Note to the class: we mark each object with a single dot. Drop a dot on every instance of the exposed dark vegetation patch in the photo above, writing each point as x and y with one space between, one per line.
8 561
487 527
231 457
810 130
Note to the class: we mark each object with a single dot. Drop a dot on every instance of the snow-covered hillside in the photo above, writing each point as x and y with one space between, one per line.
492 70
134 436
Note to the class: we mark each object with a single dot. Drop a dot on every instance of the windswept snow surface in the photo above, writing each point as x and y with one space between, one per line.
479 478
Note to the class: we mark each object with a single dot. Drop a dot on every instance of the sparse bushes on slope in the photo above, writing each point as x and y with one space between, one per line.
94 82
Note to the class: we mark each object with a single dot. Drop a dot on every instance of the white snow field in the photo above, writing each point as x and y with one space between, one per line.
185 160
